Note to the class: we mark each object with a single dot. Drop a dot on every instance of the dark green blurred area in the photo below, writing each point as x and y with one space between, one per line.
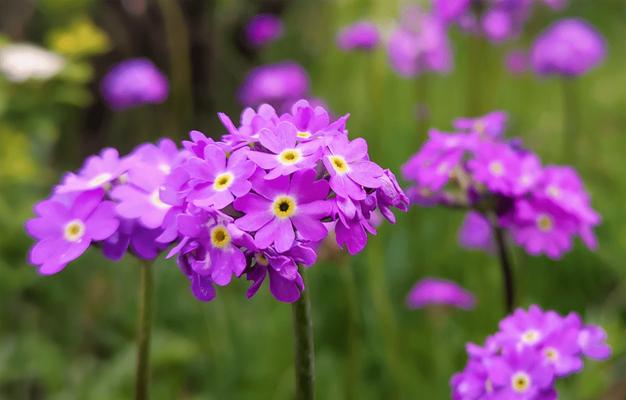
71 336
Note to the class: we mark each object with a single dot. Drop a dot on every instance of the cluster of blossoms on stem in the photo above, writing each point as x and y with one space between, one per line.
260 201
436 292
361 35
112 203
497 20
531 351
569 48
133 83
419 44
500 182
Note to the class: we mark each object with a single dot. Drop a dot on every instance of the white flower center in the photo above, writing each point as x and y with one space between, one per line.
551 354
496 168
520 382
223 181
74 230
531 336
290 156
553 191
100 180
165 168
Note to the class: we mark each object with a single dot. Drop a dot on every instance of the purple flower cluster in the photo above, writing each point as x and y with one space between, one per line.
570 47
133 83
111 202
531 351
362 35
279 85
260 201
542 207
497 20
419 44
263 29
432 291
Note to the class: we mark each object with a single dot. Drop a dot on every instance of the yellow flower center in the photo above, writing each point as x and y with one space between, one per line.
223 181
220 237
284 206
303 135
479 127
155 199
261 259
496 168
531 336
339 164
545 223
100 180
74 230
290 156
551 354
520 382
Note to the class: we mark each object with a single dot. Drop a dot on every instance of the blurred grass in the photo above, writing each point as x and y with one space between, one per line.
71 336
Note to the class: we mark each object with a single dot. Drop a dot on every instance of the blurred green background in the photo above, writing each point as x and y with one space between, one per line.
71 336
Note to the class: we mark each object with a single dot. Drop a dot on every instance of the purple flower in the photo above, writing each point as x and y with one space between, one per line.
263 29
497 167
450 10
133 83
286 154
523 360
216 180
569 47
592 342
131 235
419 44
521 375
491 125
389 195
432 291
476 232
282 205
350 170
97 172
362 35
65 226
517 62
275 84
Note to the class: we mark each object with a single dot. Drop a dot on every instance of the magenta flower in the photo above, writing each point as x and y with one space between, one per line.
362 35
524 359
66 226
419 44
433 291
498 167
476 232
97 172
286 155
263 29
570 47
216 180
283 205
491 125
350 170
275 84
133 83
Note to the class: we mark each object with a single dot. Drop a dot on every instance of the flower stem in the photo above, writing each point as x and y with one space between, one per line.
142 377
506 266
571 120
304 352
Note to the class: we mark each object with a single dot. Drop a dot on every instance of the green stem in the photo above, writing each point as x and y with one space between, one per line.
506 267
303 346
571 120
353 369
142 377
423 110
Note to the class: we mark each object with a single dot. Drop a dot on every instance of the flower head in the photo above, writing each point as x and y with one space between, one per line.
570 47
263 29
133 83
276 84
431 291
362 35
23 61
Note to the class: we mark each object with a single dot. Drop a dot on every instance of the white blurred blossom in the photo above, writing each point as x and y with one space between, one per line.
22 61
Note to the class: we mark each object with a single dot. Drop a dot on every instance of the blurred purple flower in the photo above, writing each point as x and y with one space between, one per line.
492 124
433 291
517 62
569 47
361 35
263 29
476 232
275 84
133 83
419 44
